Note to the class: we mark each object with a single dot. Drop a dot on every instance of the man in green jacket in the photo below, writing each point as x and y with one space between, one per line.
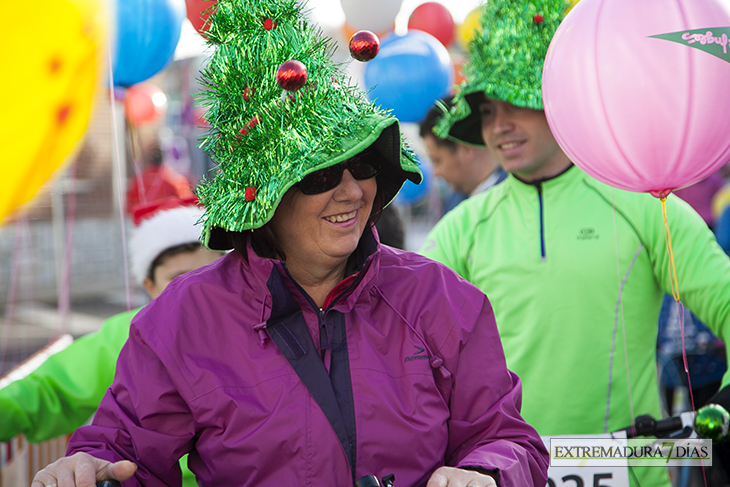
64 392
575 270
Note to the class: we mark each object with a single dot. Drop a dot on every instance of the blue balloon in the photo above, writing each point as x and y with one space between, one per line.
147 34
411 193
409 74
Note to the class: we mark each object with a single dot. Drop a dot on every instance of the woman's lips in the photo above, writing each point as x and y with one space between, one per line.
341 218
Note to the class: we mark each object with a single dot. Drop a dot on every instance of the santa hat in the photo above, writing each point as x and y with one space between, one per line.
161 225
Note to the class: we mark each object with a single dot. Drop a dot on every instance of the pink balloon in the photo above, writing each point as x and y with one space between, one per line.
639 112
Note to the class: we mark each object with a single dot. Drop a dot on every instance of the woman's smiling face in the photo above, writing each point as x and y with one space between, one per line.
323 229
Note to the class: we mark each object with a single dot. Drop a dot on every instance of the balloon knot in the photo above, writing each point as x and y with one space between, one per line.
661 194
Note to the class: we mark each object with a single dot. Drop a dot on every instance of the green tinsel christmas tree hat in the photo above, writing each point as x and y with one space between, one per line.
505 62
265 138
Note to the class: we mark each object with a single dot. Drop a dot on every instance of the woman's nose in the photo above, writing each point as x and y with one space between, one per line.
349 187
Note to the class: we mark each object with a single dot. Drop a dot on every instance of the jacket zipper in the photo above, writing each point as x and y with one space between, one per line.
542 221
324 342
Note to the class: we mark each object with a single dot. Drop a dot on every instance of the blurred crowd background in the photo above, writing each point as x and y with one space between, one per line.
63 261
63 264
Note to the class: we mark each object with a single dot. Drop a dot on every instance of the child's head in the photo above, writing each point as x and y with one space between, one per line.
166 243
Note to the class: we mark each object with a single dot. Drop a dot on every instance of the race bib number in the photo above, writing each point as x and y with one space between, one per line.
613 476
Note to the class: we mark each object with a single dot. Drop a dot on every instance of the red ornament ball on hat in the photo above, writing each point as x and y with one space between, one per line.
269 24
364 45
538 19
291 75
250 193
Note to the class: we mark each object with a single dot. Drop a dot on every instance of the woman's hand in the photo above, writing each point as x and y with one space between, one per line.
82 470
458 477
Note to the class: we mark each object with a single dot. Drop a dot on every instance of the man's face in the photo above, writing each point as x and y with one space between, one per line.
521 140
449 164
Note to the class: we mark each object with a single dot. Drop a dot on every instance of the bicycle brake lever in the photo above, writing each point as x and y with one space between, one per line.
685 432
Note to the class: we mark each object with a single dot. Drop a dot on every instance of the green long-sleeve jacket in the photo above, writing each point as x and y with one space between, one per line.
64 391
569 277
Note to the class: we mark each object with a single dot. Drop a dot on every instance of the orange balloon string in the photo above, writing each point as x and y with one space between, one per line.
675 294
668 239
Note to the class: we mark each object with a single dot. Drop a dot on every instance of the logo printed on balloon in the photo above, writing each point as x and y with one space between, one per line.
702 39
706 39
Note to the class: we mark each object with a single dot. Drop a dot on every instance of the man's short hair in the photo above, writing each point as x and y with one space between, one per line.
431 119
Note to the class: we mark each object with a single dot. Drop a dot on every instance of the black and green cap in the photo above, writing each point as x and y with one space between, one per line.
505 60
265 139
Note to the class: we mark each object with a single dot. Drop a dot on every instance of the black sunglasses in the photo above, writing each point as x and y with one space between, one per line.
361 166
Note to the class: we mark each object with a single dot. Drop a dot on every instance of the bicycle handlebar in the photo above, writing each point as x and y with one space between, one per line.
368 481
681 426
646 425
373 481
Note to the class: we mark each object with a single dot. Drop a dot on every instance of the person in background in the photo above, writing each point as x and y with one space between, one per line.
65 391
722 230
576 270
391 230
468 169
721 211
311 354
700 196
157 181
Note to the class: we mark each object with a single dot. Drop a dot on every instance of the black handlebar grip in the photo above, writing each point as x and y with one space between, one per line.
668 425
108 483
368 481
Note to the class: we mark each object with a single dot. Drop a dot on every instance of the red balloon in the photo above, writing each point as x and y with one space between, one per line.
435 19
291 75
195 14
364 45
144 104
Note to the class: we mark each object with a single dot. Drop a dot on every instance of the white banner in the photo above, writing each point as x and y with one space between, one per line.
616 475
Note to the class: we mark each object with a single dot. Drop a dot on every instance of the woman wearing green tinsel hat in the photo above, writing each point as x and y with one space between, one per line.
311 354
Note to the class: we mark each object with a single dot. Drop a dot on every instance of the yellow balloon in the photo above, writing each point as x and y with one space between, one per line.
52 60
571 4
469 28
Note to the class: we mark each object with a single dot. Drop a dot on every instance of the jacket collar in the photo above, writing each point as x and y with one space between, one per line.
566 178
364 262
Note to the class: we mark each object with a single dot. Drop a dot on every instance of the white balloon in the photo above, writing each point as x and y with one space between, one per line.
373 15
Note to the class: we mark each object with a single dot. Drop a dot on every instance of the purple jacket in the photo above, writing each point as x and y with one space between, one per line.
402 373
